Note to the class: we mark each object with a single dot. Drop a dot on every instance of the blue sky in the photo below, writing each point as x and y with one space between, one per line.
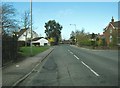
92 16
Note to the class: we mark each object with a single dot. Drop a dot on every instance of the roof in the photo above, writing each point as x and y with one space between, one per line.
35 39
116 24
21 32
41 40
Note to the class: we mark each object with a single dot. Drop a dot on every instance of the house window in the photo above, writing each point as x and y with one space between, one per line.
110 30
110 38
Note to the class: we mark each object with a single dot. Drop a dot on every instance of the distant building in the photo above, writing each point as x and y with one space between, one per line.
112 32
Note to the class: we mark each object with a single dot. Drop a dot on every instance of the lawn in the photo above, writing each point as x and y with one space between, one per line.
26 51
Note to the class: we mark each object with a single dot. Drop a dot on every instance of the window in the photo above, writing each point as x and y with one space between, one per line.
110 38
110 30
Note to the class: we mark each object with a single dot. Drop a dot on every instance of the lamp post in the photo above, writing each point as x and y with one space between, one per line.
31 25
75 30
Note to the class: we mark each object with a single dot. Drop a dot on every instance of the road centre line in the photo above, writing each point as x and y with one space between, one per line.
90 68
71 52
76 57
37 64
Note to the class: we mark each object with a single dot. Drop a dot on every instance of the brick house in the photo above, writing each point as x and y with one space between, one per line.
112 33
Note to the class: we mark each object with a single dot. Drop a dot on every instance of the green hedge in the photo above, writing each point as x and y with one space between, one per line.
84 43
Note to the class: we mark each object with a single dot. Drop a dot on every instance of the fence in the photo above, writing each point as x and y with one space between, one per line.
9 49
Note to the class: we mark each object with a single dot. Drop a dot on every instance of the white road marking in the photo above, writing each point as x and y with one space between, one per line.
90 69
37 64
76 57
71 52
17 66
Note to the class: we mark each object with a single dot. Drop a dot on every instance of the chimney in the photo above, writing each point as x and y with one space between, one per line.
112 20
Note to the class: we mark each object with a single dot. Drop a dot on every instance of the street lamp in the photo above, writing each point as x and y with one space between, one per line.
75 30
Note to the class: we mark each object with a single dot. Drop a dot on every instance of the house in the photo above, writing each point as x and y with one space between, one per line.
25 35
112 32
41 42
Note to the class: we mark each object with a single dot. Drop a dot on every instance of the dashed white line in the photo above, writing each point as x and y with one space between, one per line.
37 64
85 64
71 52
90 69
76 57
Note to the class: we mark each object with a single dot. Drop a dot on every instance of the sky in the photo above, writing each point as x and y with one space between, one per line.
92 16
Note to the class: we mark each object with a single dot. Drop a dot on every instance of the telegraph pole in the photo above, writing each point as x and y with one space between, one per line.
31 25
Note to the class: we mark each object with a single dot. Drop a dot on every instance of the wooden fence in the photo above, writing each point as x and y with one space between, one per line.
9 49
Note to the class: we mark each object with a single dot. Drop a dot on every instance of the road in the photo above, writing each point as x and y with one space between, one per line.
72 66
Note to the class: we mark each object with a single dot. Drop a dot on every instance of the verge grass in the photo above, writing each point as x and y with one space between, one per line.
26 51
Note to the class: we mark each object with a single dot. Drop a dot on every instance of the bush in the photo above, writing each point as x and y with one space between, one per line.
84 43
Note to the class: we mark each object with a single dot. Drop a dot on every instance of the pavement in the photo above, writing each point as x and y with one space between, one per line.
16 72
73 66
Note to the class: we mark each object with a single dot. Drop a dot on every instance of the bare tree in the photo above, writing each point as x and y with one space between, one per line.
26 23
9 26
8 21
26 19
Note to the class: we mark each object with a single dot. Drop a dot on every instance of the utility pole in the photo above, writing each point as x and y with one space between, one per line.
31 25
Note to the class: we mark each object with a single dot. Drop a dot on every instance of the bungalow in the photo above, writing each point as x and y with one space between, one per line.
112 32
41 42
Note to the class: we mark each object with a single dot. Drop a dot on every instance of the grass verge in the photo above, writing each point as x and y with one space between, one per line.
26 51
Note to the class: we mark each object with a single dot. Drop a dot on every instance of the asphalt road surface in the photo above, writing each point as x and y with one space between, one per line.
72 66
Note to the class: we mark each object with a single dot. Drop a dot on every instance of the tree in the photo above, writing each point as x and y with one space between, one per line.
53 30
9 23
26 19
93 40
72 37
81 37
9 26
93 36
26 23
